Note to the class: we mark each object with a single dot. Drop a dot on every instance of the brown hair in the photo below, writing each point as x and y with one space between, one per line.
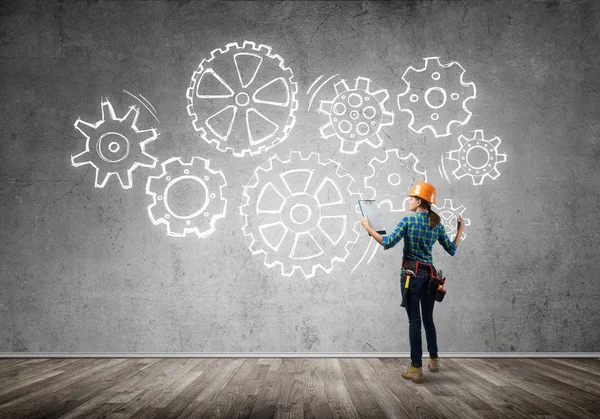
434 219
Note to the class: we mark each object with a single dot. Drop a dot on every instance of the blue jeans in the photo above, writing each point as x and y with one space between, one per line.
416 294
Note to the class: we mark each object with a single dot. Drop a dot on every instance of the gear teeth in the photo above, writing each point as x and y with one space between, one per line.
327 130
495 142
102 178
86 128
325 107
374 141
190 94
340 87
381 95
349 147
123 176
387 118
362 83
80 159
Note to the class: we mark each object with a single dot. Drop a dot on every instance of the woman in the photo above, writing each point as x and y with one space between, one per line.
420 232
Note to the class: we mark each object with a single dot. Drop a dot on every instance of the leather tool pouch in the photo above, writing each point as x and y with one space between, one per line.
436 284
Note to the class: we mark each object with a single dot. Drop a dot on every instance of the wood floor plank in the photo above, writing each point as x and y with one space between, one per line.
543 387
314 397
363 399
120 393
580 379
16 364
589 368
338 399
208 368
406 392
39 389
25 375
236 397
491 388
266 401
85 386
203 402
161 388
482 388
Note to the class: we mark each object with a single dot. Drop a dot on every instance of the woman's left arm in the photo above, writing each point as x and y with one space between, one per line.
373 233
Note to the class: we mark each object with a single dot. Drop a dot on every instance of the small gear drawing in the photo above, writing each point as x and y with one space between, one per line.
209 202
391 178
243 99
468 152
356 115
449 216
296 213
115 146
438 94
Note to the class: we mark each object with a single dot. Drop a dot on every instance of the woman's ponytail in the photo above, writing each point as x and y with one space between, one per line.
434 218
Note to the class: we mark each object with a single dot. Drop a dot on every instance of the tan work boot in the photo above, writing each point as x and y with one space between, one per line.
413 374
434 364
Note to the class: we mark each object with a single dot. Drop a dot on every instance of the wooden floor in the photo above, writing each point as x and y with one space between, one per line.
297 388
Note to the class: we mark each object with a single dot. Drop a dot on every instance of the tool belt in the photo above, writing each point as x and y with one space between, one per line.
436 280
415 265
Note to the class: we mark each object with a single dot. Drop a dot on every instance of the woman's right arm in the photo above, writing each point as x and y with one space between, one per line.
459 230
444 240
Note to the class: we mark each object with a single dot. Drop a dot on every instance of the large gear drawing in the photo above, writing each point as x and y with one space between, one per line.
243 99
449 216
466 154
391 178
115 146
435 96
211 206
356 115
296 212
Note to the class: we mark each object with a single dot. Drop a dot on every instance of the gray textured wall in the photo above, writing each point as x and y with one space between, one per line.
85 270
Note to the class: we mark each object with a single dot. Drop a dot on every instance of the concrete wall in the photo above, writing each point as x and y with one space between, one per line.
84 268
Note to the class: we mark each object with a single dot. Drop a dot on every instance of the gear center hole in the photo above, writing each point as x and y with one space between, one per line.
186 197
300 213
242 99
394 179
478 157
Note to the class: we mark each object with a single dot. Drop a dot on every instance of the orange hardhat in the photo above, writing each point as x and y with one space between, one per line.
424 191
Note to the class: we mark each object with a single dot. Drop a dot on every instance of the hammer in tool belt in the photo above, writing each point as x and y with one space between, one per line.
408 273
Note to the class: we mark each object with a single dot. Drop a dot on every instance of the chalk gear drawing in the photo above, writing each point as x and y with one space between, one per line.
449 215
203 189
436 96
392 177
356 115
297 213
477 157
243 99
115 146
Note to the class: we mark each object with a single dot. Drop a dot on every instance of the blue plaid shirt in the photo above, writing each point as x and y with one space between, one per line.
418 237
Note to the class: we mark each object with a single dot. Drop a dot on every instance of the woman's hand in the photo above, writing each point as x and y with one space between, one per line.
460 224
365 222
